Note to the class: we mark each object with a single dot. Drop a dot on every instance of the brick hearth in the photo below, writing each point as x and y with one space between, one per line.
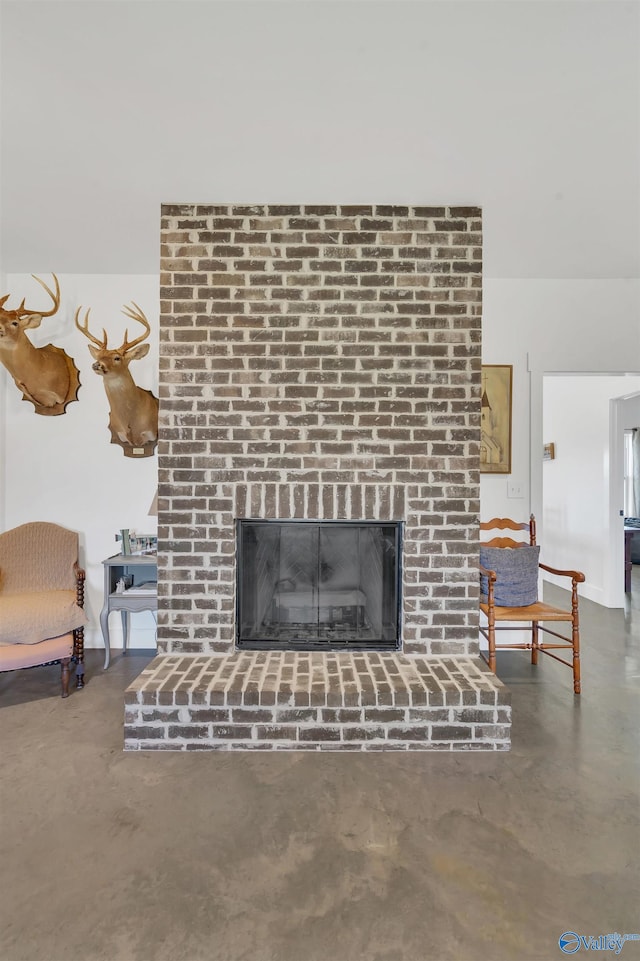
319 362
294 701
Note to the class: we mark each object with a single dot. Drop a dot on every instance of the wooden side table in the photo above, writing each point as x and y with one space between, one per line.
142 569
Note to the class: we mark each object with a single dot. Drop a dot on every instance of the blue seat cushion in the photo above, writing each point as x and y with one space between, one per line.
516 572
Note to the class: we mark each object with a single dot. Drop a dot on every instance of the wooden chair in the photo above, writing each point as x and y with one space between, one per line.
533 612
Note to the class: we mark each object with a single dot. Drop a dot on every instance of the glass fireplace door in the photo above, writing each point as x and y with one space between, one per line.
313 584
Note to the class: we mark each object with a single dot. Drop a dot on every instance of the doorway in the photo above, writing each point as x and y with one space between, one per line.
584 416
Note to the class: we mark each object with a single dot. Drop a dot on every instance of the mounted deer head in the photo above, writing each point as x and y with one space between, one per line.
133 417
47 377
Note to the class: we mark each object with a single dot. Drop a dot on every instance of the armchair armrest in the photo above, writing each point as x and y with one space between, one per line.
576 576
491 575
80 576
491 584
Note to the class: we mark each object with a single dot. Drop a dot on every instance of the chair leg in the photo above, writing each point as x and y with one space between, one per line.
534 642
491 638
575 638
78 653
64 668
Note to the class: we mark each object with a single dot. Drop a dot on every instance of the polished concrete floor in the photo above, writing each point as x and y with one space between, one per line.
107 856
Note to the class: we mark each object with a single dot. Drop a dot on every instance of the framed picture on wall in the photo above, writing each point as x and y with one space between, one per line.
495 440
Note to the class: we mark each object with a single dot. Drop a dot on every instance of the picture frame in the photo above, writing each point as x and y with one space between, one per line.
549 452
496 404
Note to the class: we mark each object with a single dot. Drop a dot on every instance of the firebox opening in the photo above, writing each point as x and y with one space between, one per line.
308 585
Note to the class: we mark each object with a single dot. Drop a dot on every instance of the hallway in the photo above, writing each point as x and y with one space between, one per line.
300 857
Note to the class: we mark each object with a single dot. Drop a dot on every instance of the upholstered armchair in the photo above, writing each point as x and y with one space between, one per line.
41 600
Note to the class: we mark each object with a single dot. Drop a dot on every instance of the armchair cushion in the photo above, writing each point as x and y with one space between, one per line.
13 657
28 619
516 571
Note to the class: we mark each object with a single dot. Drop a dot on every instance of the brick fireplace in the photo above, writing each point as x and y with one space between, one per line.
319 363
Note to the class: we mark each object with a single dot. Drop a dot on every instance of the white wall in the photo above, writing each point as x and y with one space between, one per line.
630 411
64 469
3 419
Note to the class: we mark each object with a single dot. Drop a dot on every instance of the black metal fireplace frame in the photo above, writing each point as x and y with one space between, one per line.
323 645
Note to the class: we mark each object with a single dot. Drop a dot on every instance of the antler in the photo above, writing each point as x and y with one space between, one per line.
22 310
85 330
137 314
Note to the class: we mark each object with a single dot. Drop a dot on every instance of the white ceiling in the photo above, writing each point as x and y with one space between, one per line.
529 109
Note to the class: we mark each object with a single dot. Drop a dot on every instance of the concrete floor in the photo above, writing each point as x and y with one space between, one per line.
109 856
